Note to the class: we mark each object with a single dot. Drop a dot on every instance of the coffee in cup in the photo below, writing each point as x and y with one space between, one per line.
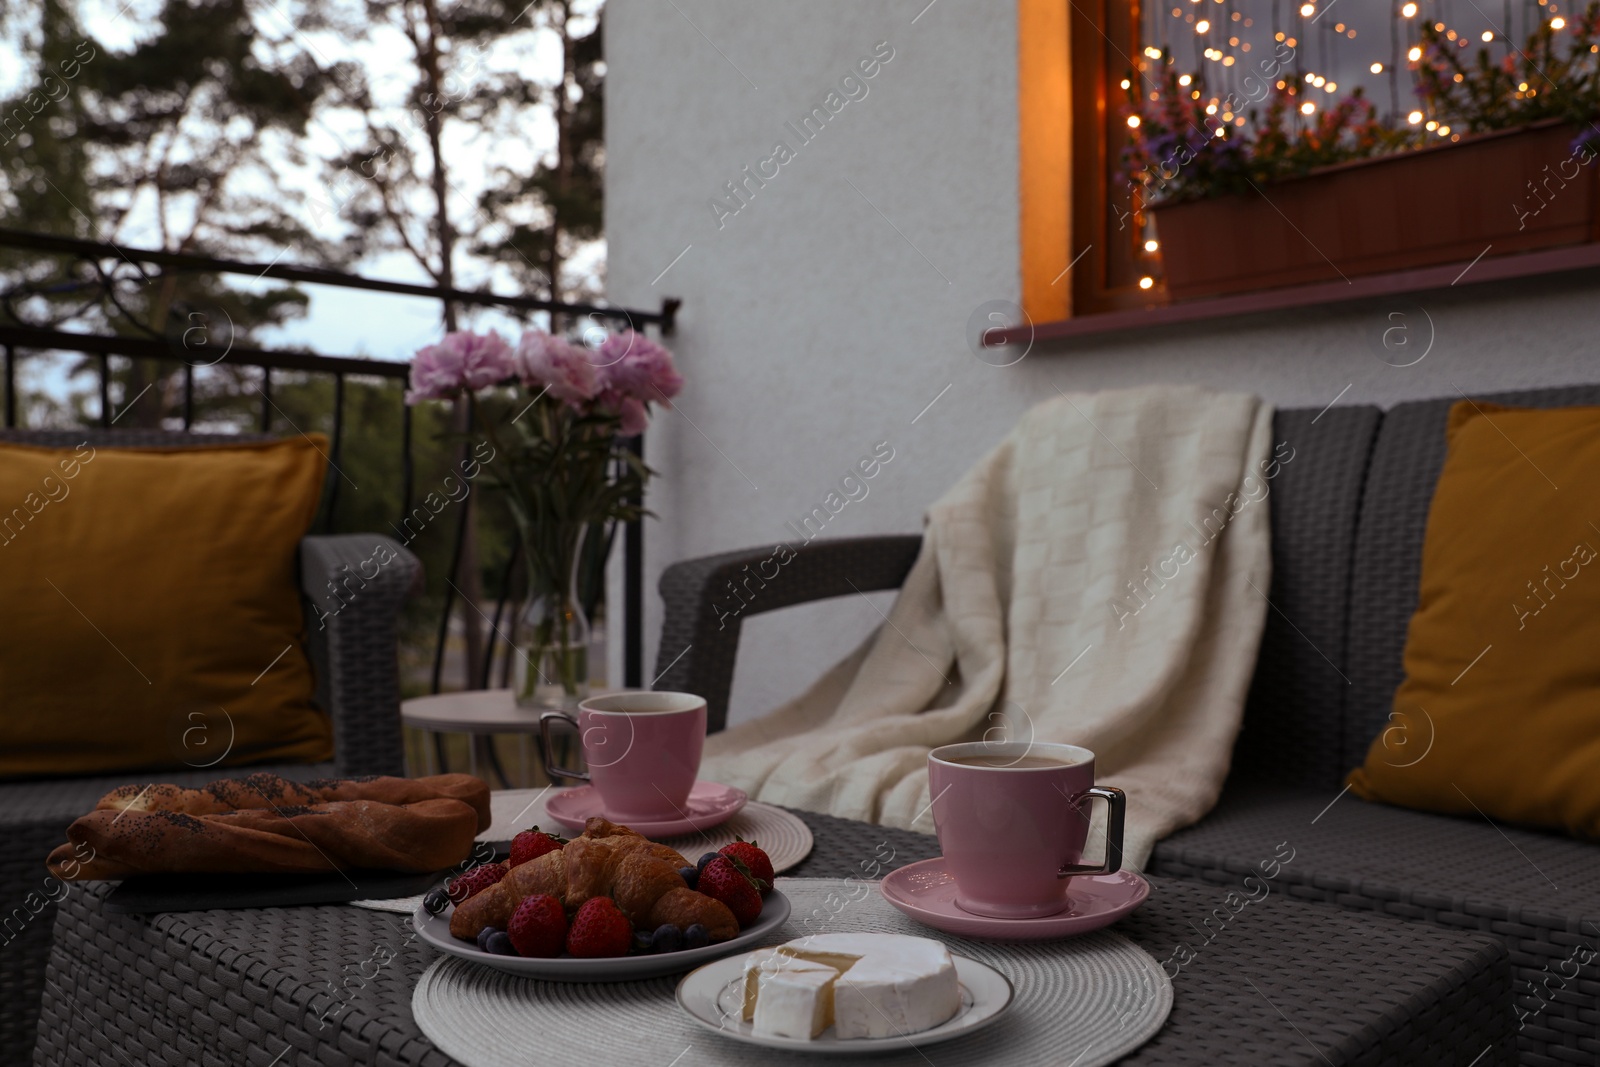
1013 820
642 749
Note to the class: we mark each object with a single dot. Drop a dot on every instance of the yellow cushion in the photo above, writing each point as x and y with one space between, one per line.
149 609
1499 713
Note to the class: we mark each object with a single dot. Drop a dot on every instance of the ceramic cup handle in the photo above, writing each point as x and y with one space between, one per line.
1119 803
583 776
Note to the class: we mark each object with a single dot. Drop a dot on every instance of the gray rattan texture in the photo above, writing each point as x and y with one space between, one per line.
1293 719
706 598
1281 982
355 658
1406 461
1539 893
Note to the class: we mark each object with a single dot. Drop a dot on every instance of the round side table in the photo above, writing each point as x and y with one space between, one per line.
478 713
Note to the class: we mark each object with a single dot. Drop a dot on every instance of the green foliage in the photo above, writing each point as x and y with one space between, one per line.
1556 75
1179 151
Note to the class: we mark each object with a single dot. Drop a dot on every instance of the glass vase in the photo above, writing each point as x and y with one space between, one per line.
551 669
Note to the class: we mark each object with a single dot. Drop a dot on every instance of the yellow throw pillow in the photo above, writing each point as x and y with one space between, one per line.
1499 713
149 609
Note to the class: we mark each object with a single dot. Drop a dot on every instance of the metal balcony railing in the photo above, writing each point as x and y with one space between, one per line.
104 270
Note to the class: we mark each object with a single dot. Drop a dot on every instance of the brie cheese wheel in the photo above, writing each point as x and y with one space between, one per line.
785 996
867 985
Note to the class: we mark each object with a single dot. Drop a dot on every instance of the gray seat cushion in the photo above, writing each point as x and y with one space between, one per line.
1539 892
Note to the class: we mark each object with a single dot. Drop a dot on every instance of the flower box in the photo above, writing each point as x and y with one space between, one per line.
1508 191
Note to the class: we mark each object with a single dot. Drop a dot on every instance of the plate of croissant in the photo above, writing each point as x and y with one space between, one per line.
609 905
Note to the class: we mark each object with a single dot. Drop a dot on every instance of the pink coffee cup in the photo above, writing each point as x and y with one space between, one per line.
1012 820
642 750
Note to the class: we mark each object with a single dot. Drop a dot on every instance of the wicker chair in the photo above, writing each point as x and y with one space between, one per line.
358 685
1348 515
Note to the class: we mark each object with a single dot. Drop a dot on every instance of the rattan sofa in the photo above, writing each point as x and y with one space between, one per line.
358 685
1348 515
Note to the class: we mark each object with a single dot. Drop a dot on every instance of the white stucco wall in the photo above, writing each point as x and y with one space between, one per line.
828 312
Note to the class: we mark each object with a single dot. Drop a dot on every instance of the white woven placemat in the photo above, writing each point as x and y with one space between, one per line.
784 837
1085 1001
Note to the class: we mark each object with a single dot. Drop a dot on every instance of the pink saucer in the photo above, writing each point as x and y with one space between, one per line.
709 804
926 891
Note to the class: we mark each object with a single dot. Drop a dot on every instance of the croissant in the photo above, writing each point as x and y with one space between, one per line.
608 860
270 791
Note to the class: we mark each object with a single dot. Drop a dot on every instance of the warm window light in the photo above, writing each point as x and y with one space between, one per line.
1460 78
1488 35
1211 109
1239 121
1330 87
1184 79
1227 61
1312 78
1126 83
1451 35
1439 26
1277 37
1221 130
1414 118
1195 95
1146 282
1282 84
1133 122
1523 86
1409 11
1338 28
1151 246
1202 26
1307 108
1318 81
1227 116
1557 23
1307 10
1432 125
1376 68
1444 131
1153 53
1414 55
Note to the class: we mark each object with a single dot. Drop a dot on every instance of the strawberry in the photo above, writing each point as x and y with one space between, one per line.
724 880
531 844
599 929
755 861
475 881
538 927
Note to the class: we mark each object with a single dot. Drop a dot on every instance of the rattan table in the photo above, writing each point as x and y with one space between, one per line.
1259 979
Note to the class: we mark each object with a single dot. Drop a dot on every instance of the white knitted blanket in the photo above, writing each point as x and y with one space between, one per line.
1100 579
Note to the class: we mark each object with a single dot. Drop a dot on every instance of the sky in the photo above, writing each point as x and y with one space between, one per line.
345 322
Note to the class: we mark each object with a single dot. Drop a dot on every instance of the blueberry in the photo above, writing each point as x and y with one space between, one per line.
707 858
436 901
500 944
696 936
484 935
641 941
690 876
667 938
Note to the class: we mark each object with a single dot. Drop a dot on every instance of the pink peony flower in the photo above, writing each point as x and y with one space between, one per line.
463 359
635 366
556 364
634 415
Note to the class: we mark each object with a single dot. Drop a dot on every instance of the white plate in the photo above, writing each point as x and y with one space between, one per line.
435 930
714 997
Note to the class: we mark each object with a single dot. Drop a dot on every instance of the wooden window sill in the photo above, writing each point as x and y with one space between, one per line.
1422 279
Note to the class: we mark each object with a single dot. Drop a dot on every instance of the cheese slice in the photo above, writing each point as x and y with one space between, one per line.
865 985
785 996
